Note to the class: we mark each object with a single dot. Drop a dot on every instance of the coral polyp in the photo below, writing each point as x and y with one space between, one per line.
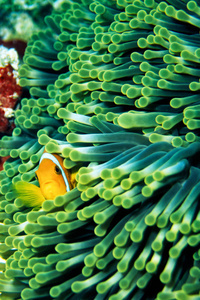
114 90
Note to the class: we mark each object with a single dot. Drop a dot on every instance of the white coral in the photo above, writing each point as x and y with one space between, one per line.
9 56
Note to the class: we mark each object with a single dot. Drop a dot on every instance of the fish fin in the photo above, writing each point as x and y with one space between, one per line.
74 172
28 193
73 179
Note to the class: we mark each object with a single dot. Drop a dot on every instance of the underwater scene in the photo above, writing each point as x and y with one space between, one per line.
100 150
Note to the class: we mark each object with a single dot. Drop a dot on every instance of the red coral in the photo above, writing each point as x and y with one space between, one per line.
9 94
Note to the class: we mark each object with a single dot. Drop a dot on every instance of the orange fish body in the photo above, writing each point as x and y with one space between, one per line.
53 178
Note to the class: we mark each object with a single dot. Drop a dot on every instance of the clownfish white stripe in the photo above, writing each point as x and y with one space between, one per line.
56 162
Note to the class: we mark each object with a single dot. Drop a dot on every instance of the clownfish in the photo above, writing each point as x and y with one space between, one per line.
54 180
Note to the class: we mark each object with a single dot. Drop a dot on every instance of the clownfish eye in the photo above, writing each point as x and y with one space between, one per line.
57 170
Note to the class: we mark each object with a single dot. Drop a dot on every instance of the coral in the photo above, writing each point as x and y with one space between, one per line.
10 91
20 18
114 90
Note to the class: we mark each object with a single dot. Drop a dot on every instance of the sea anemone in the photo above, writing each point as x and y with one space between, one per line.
114 91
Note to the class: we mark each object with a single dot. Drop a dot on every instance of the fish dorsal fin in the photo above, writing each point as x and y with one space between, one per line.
56 162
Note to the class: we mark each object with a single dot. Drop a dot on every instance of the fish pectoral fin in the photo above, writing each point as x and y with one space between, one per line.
28 193
73 179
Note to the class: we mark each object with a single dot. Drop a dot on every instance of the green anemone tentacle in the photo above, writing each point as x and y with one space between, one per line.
114 90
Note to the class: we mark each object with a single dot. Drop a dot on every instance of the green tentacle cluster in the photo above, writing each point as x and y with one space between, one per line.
114 91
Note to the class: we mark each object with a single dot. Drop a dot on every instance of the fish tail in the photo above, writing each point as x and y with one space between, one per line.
28 193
